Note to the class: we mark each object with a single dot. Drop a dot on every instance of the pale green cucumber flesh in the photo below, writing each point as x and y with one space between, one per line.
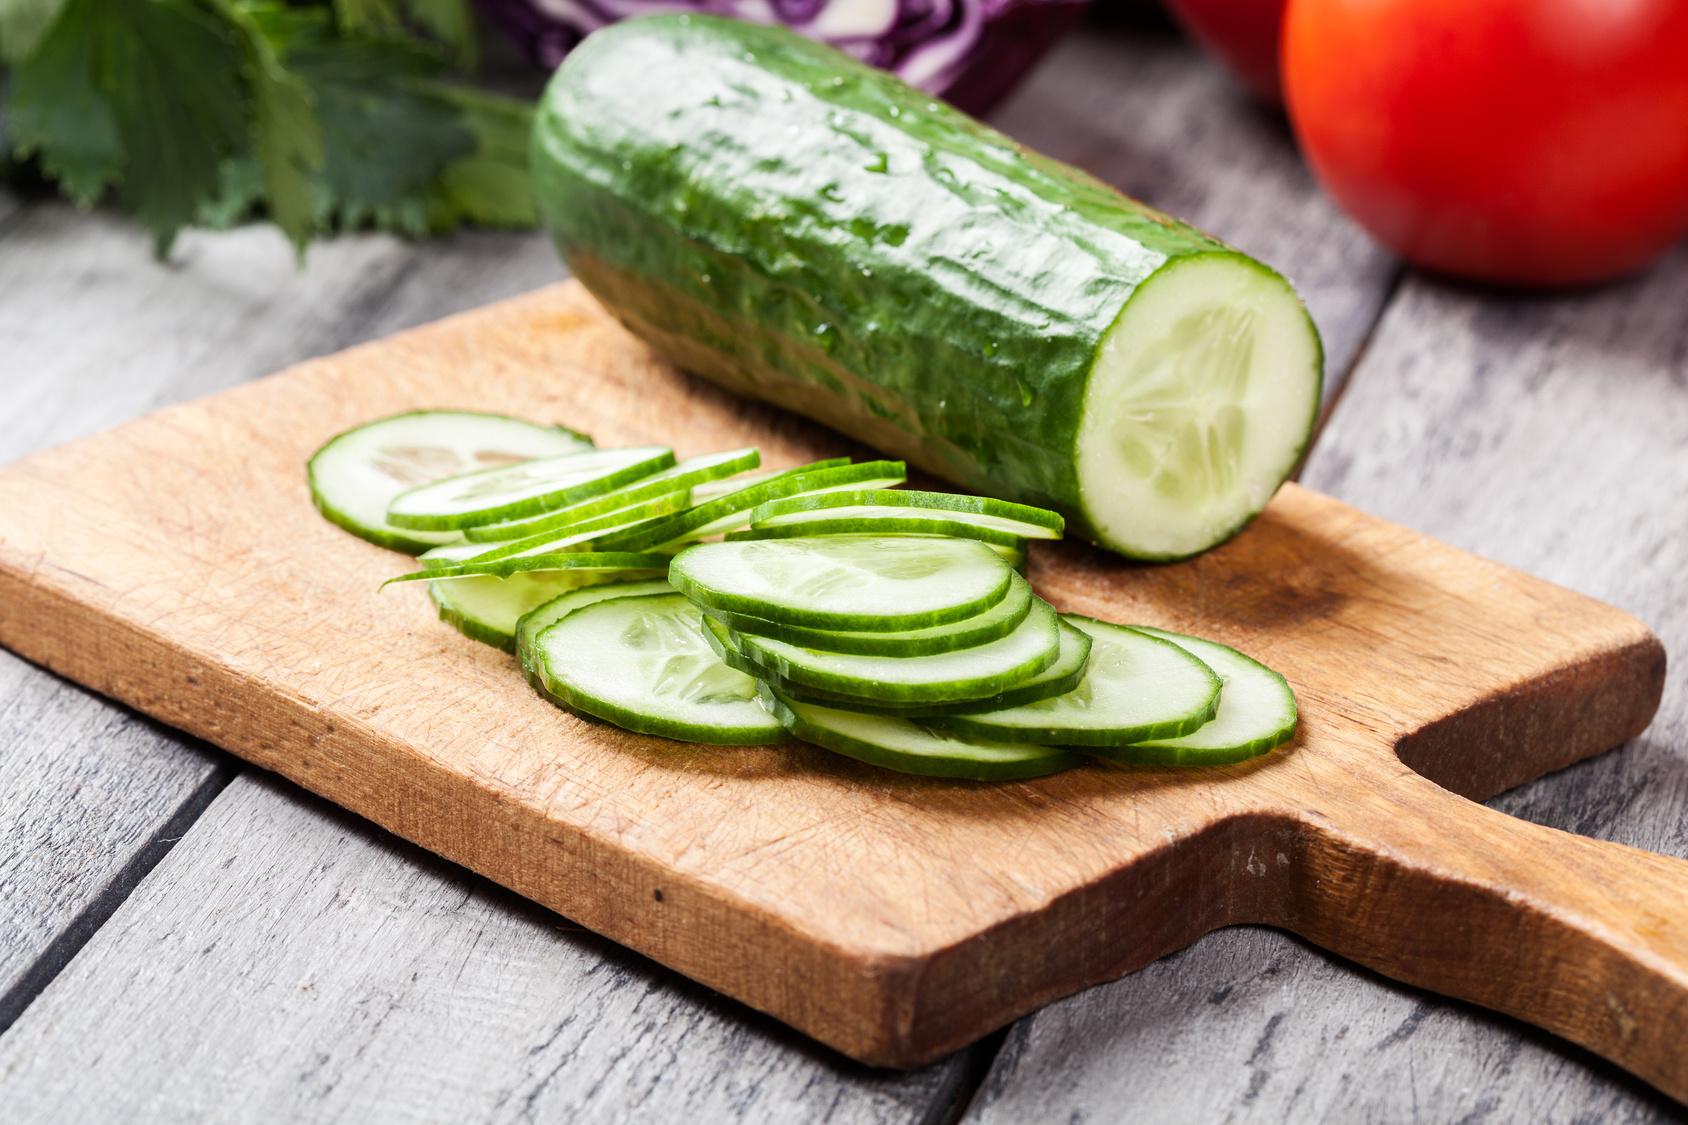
849 582
802 229
1256 712
1059 678
997 621
715 489
536 620
641 663
962 674
545 528
356 474
732 509
689 474
906 522
1021 520
900 745
1135 688
487 609
532 487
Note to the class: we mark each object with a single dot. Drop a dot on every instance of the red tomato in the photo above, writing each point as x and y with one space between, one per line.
1532 142
1243 34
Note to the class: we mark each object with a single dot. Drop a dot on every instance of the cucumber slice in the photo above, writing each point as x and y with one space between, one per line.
716 489
493 495
865 583
997 621
1019 521
541 617
1059 678
355 475
487 609
586 534
900 745
968 673
864 522
641 663
732 510
453 555
1256 712
671 486
1136 688
568 560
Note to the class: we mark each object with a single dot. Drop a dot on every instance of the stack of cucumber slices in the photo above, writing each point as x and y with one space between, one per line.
890 626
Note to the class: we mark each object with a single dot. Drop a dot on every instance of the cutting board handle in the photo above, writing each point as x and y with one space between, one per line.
1585 938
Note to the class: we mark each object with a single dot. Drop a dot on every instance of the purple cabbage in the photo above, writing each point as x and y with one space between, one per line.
968 51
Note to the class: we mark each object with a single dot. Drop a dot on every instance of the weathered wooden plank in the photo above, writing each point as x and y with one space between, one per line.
1550 433
1139 107
288 961
96 331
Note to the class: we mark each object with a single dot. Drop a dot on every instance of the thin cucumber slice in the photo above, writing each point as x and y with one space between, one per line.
968 673
1015 520
1059 678
654 564
864 521
864 583
726 512
355 475
585 535
672 486
1136 688
487 609
1256 712
715 489
641 663
453 555
541 617
900 745
997 621
494 495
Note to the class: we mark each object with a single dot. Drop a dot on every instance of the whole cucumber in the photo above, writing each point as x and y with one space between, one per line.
800 228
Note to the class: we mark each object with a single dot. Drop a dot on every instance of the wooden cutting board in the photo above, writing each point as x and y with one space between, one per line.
176 564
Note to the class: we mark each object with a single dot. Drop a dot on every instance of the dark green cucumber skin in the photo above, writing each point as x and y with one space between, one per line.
804 229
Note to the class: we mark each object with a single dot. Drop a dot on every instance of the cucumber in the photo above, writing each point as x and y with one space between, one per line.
1058 679
536 620
487 609
1256 712
963 674
569 560
356 474
641 663
849 582
900 745
492 495
1018 521
670 488
997 621
1136 688
801 228
732 509
863 520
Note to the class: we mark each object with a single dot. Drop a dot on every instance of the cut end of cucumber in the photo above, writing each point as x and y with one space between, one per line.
1201 401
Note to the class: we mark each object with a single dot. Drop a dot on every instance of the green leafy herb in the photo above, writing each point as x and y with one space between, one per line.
319 116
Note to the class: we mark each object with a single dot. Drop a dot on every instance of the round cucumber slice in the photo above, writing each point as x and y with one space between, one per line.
1059 678
572 560
863 521
487 609
997 621
585 535
507 493
900 745
1017 521
671 488
967 673
1136 687
355 475
715 489
641 663
538 619
1256 712
732 509
865 583
1201 400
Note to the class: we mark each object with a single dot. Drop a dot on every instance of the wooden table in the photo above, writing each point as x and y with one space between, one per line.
183 938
